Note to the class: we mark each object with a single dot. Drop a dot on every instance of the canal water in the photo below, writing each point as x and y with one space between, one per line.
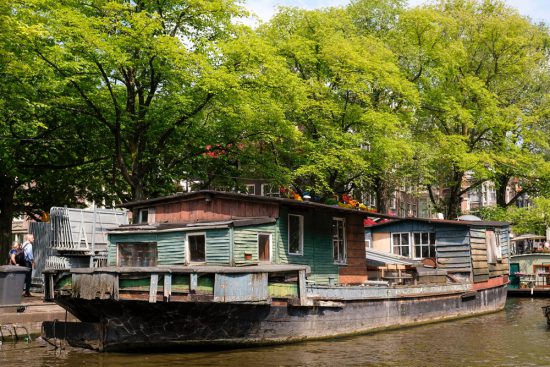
517 336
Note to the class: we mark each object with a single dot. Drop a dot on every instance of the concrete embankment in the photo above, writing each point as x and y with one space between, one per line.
29 315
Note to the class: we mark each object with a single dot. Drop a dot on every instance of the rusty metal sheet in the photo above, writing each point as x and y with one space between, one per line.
250 287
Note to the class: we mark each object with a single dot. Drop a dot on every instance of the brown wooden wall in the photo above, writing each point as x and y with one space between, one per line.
355 272
198 210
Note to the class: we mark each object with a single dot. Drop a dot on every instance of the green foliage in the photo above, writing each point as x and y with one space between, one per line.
478 67
534 219
354 97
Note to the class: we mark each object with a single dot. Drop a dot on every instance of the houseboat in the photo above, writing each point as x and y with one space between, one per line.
225 269
529 266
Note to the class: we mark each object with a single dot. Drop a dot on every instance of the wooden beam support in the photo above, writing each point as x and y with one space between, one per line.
193 282
167 287
153 288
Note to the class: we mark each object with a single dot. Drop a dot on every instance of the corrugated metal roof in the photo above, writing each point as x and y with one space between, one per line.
387 258
194 225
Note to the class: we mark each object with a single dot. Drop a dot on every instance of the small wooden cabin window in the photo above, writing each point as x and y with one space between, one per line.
143 216
137 254
196 248
295 234
401 244
339 240
271 190
146 215
424 244
250 189
264 247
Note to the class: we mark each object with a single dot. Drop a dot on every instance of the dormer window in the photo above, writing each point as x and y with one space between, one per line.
146 215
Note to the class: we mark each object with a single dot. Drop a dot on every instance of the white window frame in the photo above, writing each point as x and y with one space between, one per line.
430 235
250 189
270 246
301 235
393 202
341 258
267 190
118 244
188 249
400 246
368 245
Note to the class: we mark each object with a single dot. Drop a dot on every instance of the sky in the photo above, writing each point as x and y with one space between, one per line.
537 10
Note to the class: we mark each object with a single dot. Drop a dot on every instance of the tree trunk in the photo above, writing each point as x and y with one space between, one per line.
502 185
382 197
7 190
454 200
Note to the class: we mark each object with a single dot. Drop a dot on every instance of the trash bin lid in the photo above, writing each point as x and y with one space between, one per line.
13 269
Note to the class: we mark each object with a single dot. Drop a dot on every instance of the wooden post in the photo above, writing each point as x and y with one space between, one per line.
153 288
167 287
193 282
302 287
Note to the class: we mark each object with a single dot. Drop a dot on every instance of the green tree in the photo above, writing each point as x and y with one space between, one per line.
41 155
356 99
474 64
141 72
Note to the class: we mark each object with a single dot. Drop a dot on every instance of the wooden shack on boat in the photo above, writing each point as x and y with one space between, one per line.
229 269
474 251
217 228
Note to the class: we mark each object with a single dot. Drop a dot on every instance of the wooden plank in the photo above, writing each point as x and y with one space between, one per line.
451 248
451 241
457 269
480 264
448 254
479 258
478 252
453 260
167 287
479 247
481 278
193 280
480 272
153 288
302 287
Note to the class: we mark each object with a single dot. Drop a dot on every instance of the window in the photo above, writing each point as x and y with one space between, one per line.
264 247
146 215
401 244
270 190
196 248
368 244
137 254
424 244
339 240
393 202
474 195
250 189
295 234
143 216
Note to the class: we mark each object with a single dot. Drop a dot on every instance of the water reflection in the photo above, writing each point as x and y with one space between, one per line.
516 336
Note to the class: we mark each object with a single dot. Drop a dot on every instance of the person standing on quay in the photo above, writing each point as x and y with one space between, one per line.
29 262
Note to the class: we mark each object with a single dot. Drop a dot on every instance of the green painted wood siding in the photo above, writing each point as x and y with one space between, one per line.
170 249
217 246
317 245
171 246
245 240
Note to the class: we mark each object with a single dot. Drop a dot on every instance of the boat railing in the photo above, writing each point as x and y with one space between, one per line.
259 284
